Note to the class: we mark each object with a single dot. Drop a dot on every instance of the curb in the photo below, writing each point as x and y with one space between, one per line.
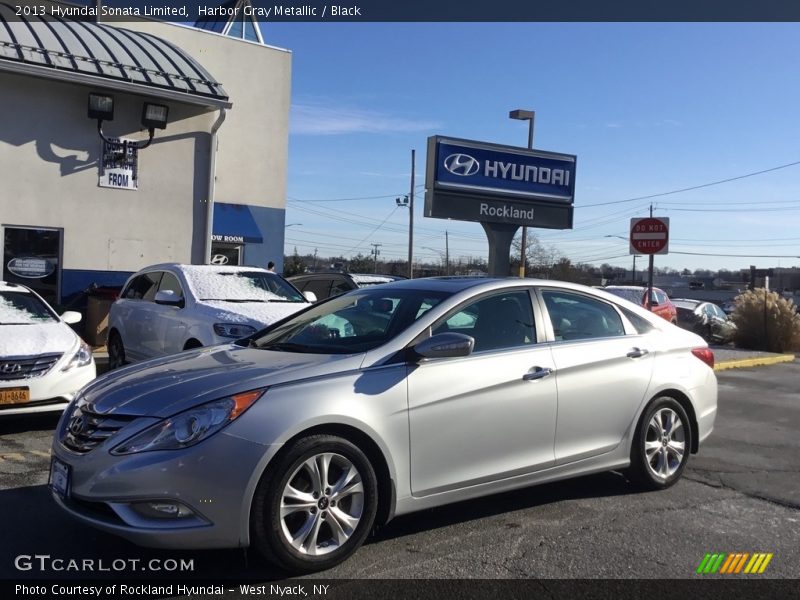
754 362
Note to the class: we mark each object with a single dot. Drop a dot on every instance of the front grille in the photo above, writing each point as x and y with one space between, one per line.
14 369
86 430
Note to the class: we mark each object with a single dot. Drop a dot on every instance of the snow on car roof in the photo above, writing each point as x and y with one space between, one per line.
213 282
361 279
12 287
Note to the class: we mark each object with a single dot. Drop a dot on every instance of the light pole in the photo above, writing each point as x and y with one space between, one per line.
635 256
529 116
442 256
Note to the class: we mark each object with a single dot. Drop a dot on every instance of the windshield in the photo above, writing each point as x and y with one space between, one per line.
22 308
631 295
238 285
354 322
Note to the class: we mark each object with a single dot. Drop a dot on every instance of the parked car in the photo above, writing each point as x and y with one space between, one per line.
166 308
660 303
705 319
43 362
382 401
325 285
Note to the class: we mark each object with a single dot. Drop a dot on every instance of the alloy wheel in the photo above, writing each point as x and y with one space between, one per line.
665 443
321 504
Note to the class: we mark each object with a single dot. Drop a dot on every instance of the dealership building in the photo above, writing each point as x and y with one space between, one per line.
124 144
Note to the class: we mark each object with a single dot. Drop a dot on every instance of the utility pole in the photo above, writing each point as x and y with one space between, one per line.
650 275
375 253
411 220
446 253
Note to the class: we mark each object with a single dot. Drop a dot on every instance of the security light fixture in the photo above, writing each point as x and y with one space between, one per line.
154 116
101 107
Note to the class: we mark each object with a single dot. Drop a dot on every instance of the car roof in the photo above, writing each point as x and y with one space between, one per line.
687 301
456 284
14 287
218 268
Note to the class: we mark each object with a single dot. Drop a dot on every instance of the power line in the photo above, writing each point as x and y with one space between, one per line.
696 187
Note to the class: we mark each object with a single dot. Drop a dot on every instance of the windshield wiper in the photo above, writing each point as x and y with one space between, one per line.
286 346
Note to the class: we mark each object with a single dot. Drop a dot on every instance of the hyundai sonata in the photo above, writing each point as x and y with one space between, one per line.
382 401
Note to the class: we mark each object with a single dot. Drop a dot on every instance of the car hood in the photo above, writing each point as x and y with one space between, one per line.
36 339
255 314
166 386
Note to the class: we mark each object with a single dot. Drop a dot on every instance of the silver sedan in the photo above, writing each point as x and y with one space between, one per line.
383 401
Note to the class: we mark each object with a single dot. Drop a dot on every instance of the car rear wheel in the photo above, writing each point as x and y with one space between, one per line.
316 505
661 445
116 351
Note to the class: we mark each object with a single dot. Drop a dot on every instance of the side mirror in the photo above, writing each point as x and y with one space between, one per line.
310 296
71 317
446 345
168 298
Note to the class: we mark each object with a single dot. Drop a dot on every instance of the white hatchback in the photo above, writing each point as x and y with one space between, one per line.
166 308
43 362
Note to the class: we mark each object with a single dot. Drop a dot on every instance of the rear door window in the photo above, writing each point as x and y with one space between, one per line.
578 317
143 287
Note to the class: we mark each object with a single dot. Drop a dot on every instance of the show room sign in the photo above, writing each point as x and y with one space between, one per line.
119 166
477 181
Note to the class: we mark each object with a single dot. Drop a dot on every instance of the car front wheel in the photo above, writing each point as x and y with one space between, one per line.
116 351
316 505
661 445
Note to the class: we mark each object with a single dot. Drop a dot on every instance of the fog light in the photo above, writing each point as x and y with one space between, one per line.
162 510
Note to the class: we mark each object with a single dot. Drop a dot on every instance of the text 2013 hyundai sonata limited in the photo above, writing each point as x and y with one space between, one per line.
381 402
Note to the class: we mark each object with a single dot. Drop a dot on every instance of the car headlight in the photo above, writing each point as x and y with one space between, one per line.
190 426
233 330
81 358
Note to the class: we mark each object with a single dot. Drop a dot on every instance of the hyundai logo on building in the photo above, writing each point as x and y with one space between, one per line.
461 164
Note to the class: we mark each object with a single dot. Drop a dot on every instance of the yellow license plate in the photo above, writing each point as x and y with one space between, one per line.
15 395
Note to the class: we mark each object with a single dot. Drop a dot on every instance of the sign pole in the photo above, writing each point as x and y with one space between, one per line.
650 275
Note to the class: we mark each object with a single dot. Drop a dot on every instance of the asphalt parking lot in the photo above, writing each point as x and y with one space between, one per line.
740 494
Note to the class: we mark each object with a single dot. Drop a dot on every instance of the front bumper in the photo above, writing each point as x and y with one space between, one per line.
214 479
50 392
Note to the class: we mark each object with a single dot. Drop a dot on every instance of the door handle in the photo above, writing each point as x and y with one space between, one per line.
537 373
637 353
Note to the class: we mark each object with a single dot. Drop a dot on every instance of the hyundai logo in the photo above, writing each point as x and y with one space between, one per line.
9 368
219 259
76 424
462 164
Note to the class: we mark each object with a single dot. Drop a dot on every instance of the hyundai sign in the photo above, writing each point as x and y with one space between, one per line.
477 181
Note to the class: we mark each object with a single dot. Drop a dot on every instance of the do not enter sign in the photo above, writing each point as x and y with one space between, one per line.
650 235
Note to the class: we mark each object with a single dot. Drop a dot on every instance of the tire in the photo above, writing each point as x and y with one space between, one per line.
116 351
661 445
324 522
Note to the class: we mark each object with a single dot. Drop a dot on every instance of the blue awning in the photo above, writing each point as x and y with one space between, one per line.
234 223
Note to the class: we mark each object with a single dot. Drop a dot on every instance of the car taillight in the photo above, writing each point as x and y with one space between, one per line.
704 354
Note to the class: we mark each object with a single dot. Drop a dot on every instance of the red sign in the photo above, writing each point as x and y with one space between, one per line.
650 235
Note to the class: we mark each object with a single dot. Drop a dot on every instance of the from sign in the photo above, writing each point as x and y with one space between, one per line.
30 267
478 181
119 167
650 235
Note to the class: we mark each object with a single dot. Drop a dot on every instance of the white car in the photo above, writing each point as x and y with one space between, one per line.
43 362
167 308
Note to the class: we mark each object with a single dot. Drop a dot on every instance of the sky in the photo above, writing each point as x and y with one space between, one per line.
648 108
